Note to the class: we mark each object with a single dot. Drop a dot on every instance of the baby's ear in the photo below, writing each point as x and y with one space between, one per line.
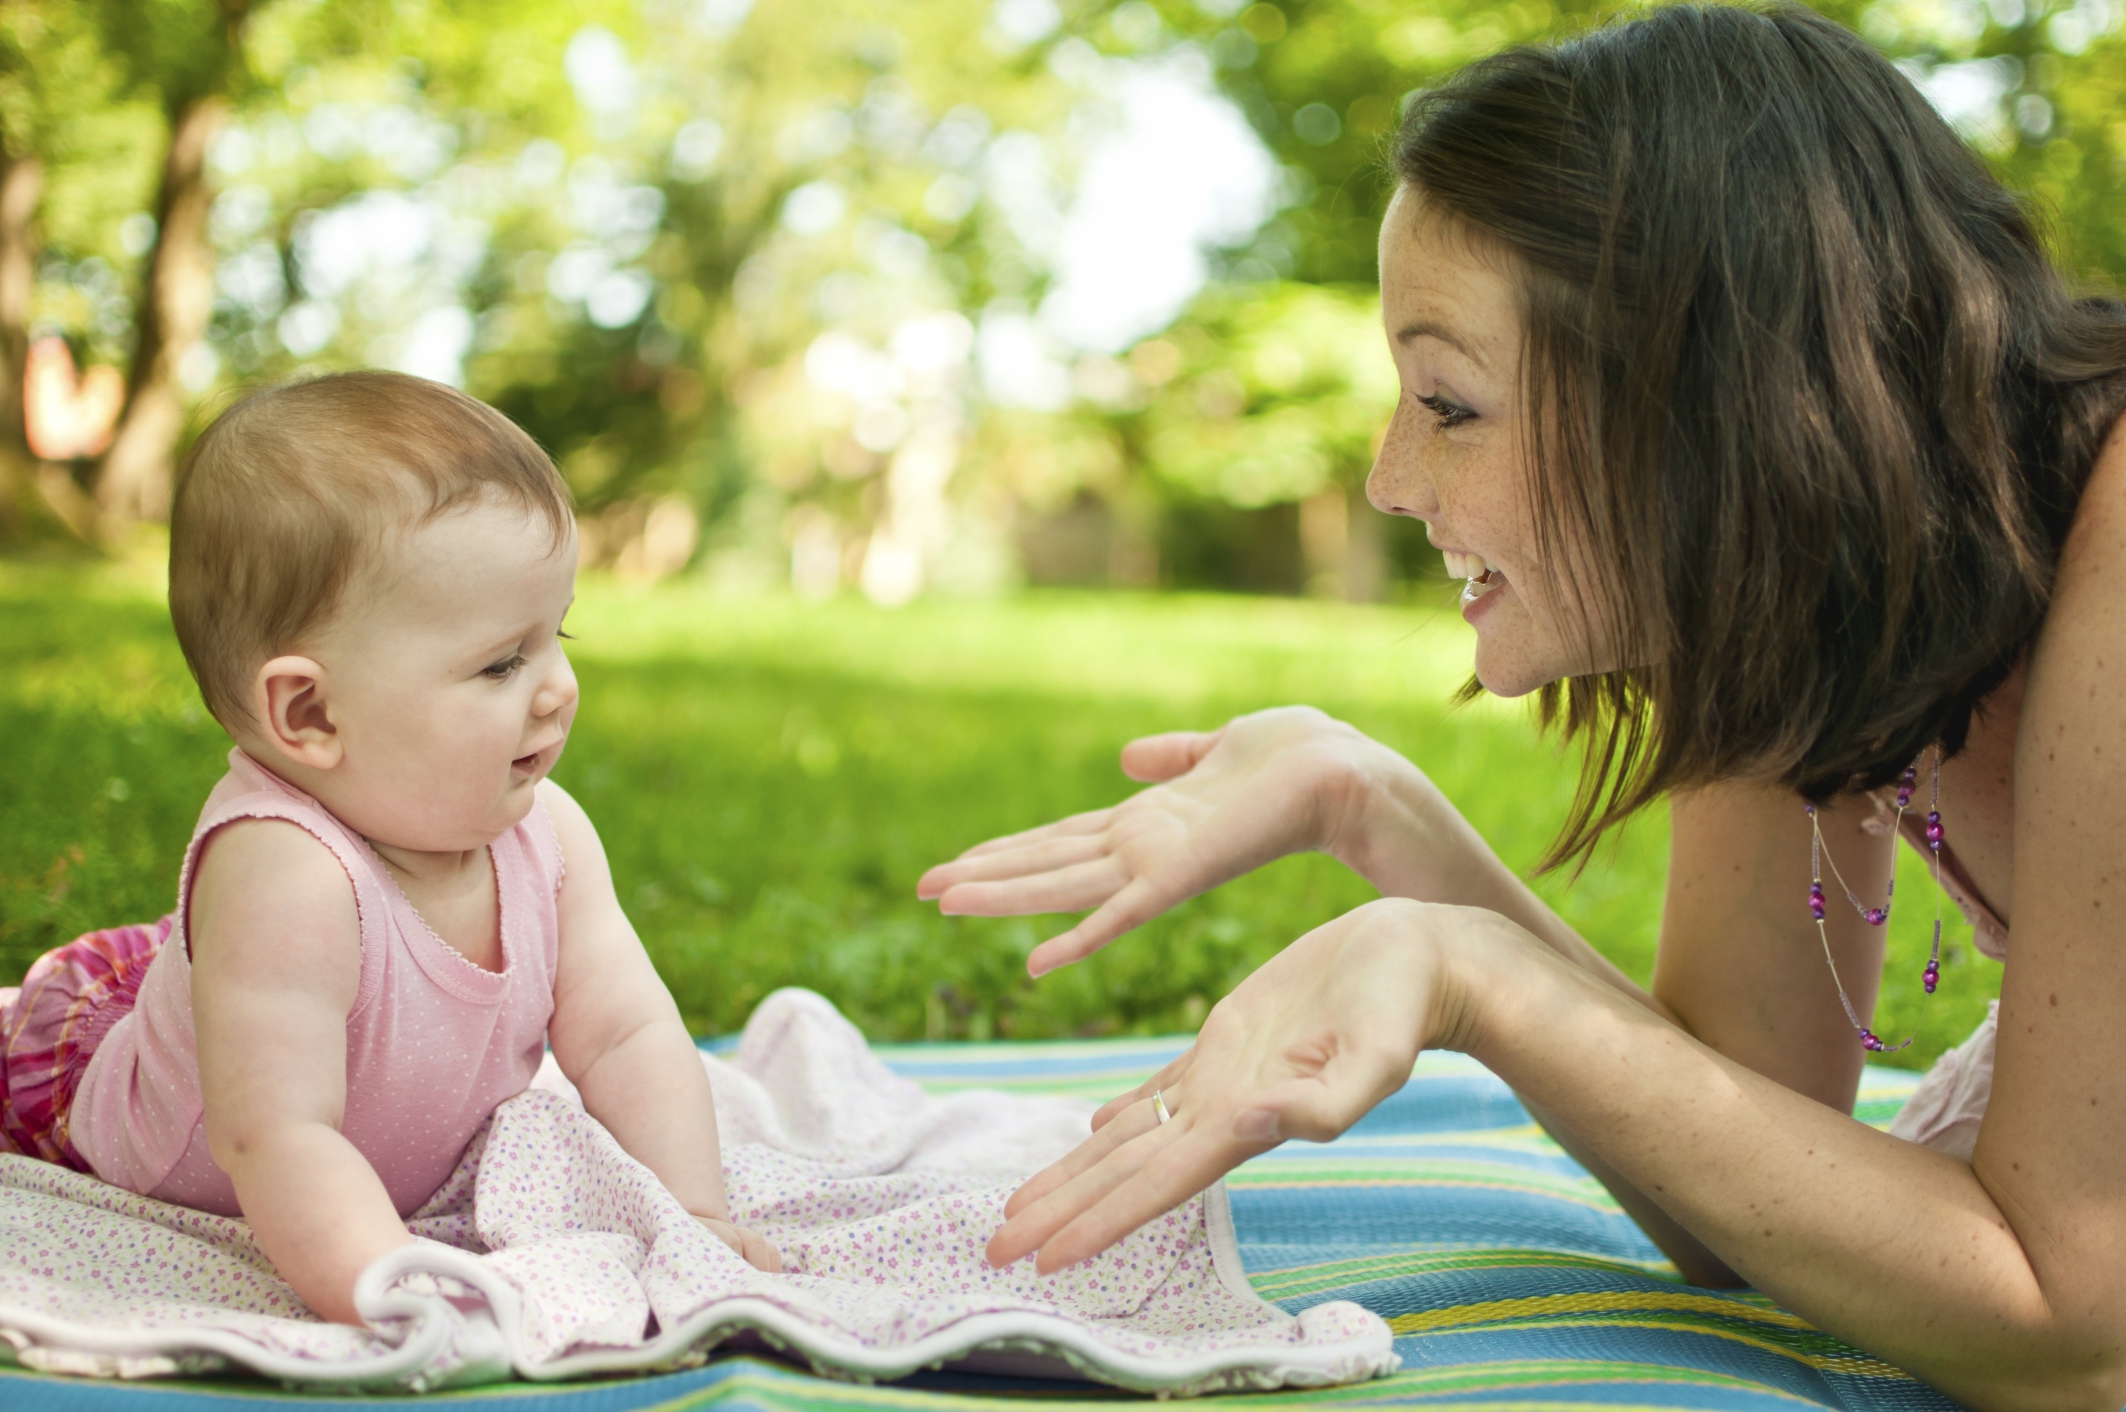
288 699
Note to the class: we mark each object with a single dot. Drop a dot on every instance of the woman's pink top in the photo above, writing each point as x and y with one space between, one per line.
434 1041
1944 1111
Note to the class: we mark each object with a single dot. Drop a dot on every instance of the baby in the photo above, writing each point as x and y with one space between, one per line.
388 912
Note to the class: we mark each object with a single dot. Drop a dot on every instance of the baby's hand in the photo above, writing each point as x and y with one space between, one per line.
755 1248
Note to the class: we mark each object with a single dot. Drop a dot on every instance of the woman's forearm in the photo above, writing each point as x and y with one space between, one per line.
1692 1260
1893 1247
1403 836
1398 831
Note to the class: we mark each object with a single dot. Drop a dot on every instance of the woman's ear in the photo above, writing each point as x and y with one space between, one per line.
288 697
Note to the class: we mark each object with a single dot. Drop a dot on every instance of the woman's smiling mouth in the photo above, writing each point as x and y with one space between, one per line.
1479 578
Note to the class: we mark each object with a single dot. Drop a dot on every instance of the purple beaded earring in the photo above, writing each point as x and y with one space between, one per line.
1879 916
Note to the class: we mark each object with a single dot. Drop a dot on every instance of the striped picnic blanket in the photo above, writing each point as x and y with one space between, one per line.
1509 1277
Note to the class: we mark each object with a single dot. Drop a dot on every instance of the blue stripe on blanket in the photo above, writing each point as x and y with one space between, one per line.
1510 1277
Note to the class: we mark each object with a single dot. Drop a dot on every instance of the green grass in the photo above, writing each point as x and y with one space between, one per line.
771 777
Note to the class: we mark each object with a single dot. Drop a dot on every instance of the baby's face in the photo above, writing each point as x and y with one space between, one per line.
447 683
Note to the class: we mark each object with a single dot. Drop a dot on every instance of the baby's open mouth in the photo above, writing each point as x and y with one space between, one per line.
526 762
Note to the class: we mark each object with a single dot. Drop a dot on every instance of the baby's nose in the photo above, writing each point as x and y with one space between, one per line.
557 693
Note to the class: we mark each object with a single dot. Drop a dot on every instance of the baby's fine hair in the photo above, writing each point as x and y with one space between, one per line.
295 487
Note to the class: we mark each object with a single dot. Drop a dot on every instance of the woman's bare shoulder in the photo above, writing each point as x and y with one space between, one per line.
2098 535
2071 689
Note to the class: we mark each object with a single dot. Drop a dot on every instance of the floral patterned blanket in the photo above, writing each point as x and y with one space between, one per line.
551 1254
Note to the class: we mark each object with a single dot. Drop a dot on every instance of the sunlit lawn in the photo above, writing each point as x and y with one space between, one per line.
771 777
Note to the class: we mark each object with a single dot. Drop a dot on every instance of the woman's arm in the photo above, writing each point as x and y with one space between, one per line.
1897 1249
618 1036
276 963
1741 968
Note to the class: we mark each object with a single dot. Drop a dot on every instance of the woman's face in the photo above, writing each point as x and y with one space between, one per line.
1455 455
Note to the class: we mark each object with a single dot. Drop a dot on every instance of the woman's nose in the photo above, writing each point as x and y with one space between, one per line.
1398 483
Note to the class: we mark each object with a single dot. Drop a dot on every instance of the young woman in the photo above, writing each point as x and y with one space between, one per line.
1780 462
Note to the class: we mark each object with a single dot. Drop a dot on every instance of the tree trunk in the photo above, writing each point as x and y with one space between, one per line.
21 184
133 483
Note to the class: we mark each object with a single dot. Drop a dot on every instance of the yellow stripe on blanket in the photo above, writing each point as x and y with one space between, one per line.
1309 1279
1282 1176
1593 1301
1561 1311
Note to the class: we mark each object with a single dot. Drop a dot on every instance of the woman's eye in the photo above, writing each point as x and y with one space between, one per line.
504 669
1450 413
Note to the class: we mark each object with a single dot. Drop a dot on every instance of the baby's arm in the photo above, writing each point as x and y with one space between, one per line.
617 1035
276 963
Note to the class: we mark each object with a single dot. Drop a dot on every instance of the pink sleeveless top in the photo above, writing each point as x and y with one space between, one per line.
434 1041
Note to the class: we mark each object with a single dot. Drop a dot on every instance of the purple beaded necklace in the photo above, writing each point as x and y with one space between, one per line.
1878 916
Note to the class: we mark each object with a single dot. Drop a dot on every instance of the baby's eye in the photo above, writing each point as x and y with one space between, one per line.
1450 413
504 669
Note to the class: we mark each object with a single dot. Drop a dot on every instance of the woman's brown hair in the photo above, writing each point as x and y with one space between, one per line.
1801 377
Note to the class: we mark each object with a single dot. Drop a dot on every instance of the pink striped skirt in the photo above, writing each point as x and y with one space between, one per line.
51 1025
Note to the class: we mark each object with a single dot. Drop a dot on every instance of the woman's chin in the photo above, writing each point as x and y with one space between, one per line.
1500 674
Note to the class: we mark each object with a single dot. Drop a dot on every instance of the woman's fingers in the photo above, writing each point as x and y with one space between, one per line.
1069 889
937 879
1031 1226
1103 1191
1157 758
1167 1080
1120 1120
1133 1123
1134 904
1302 1048
1138 1191
1091 821
1057 851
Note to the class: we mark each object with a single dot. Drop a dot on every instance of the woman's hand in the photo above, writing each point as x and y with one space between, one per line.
751 1246
1303 1048
1222 803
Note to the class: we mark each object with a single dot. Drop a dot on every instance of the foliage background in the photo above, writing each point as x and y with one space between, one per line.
771 776
837 294
826 308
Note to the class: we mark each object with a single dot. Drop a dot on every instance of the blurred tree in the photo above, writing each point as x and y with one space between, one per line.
63 126
791 287
631 230
1324 82
2033 86
189 54
21 188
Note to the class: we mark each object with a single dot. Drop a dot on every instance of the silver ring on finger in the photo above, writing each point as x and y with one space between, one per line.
1159 1108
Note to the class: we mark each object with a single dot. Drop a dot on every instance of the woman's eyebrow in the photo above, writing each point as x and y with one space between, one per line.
1426 328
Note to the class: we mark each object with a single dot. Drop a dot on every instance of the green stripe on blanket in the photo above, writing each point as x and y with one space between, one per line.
1511 1279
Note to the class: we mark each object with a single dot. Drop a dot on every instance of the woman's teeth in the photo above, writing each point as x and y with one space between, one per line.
1481 577
1467 566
